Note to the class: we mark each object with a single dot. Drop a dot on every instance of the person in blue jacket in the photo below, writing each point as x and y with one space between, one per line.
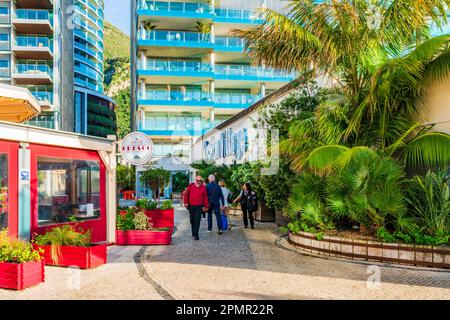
216 199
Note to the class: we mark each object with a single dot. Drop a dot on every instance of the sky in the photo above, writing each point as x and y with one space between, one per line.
118 13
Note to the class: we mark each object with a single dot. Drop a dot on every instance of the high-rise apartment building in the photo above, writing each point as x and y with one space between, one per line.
55 50
35 53
188 73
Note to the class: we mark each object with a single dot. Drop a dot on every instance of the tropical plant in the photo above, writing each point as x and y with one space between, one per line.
155 178
126 177
66 235
17 251
277 187
247 172
379 66
180 181
429 200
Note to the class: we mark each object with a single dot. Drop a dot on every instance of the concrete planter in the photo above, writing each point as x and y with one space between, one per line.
264 214
356 249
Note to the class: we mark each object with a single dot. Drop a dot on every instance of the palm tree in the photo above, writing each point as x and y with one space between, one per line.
380 59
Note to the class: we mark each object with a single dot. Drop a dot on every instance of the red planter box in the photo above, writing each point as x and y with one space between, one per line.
161 218
143 237
82 257
20 276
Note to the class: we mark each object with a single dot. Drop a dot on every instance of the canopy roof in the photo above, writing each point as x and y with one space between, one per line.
17 104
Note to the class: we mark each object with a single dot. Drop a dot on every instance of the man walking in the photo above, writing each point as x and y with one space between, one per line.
196 200
216 198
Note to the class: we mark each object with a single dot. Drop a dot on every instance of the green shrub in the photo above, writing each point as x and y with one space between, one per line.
166 205
151 205
141 221
385 236
66 235
141 203
16 251
125 222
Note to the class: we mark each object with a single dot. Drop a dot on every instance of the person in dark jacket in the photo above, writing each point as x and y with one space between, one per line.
248 202
196 201
216 202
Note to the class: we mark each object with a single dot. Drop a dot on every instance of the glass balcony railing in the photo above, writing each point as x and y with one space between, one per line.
87 84
33 14
175 66
5 73
4 19
175 37
245 15
177 7
43 96
34 69
191 125
154 95
42 124
227 43
96 54
227 98
88 72
5 45
34 41
245 71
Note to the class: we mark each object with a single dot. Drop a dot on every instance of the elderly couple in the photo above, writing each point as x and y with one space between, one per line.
200 199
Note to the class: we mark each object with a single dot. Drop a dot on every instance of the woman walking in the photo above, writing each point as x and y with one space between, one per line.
226 195
249 204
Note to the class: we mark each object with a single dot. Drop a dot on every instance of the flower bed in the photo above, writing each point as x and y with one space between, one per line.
18 276
368 250
21 265
143 237
137 227
82 257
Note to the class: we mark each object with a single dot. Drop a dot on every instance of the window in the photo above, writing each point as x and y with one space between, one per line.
4 63
4 10
67 188
3 191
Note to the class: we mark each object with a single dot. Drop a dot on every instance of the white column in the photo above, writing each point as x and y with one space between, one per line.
213 37
212 60
211 89
142 30
143 93
212 115
262 89
143 60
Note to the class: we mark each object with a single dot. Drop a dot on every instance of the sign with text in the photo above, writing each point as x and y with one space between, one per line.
137 148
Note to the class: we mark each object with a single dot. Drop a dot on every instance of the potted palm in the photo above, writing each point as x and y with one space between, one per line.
68 245
136 228
21 265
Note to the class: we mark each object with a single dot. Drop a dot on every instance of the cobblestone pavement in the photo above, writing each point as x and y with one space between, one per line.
240 264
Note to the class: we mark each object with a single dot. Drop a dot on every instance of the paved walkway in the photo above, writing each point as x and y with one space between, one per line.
240 264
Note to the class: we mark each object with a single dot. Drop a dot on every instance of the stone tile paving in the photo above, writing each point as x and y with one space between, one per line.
246 264
240 264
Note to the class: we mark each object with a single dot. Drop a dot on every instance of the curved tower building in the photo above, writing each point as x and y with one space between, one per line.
93 111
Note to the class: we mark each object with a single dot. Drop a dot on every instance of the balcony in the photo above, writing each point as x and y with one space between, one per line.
191 69
230 44
5 73
175 98
45 99
42 4
229 100
174 9
33 47
86 49
33 74
5 45
86 84
88 72
31 21
5 18
194 127
236 16
164 38
249 73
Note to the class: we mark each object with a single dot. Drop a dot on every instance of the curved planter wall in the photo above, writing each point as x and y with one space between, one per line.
367 250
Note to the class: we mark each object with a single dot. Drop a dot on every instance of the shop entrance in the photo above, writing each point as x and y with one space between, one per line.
8 187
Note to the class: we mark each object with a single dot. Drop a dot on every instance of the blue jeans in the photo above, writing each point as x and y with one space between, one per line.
216 210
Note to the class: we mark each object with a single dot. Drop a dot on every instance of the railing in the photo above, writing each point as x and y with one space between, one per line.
244 99
154 95
88 85
5 45
43 96
4 19
175 36
245 70
191 124
85 36
229 42
174 6
177 66
88 72
42 124
236 14
33 14
33 41
23 68
92 64
85 48
5 73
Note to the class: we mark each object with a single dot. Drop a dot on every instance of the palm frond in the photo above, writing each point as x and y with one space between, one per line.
428 150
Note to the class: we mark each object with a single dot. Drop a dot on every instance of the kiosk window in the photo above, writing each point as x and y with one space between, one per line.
67 188
3 191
